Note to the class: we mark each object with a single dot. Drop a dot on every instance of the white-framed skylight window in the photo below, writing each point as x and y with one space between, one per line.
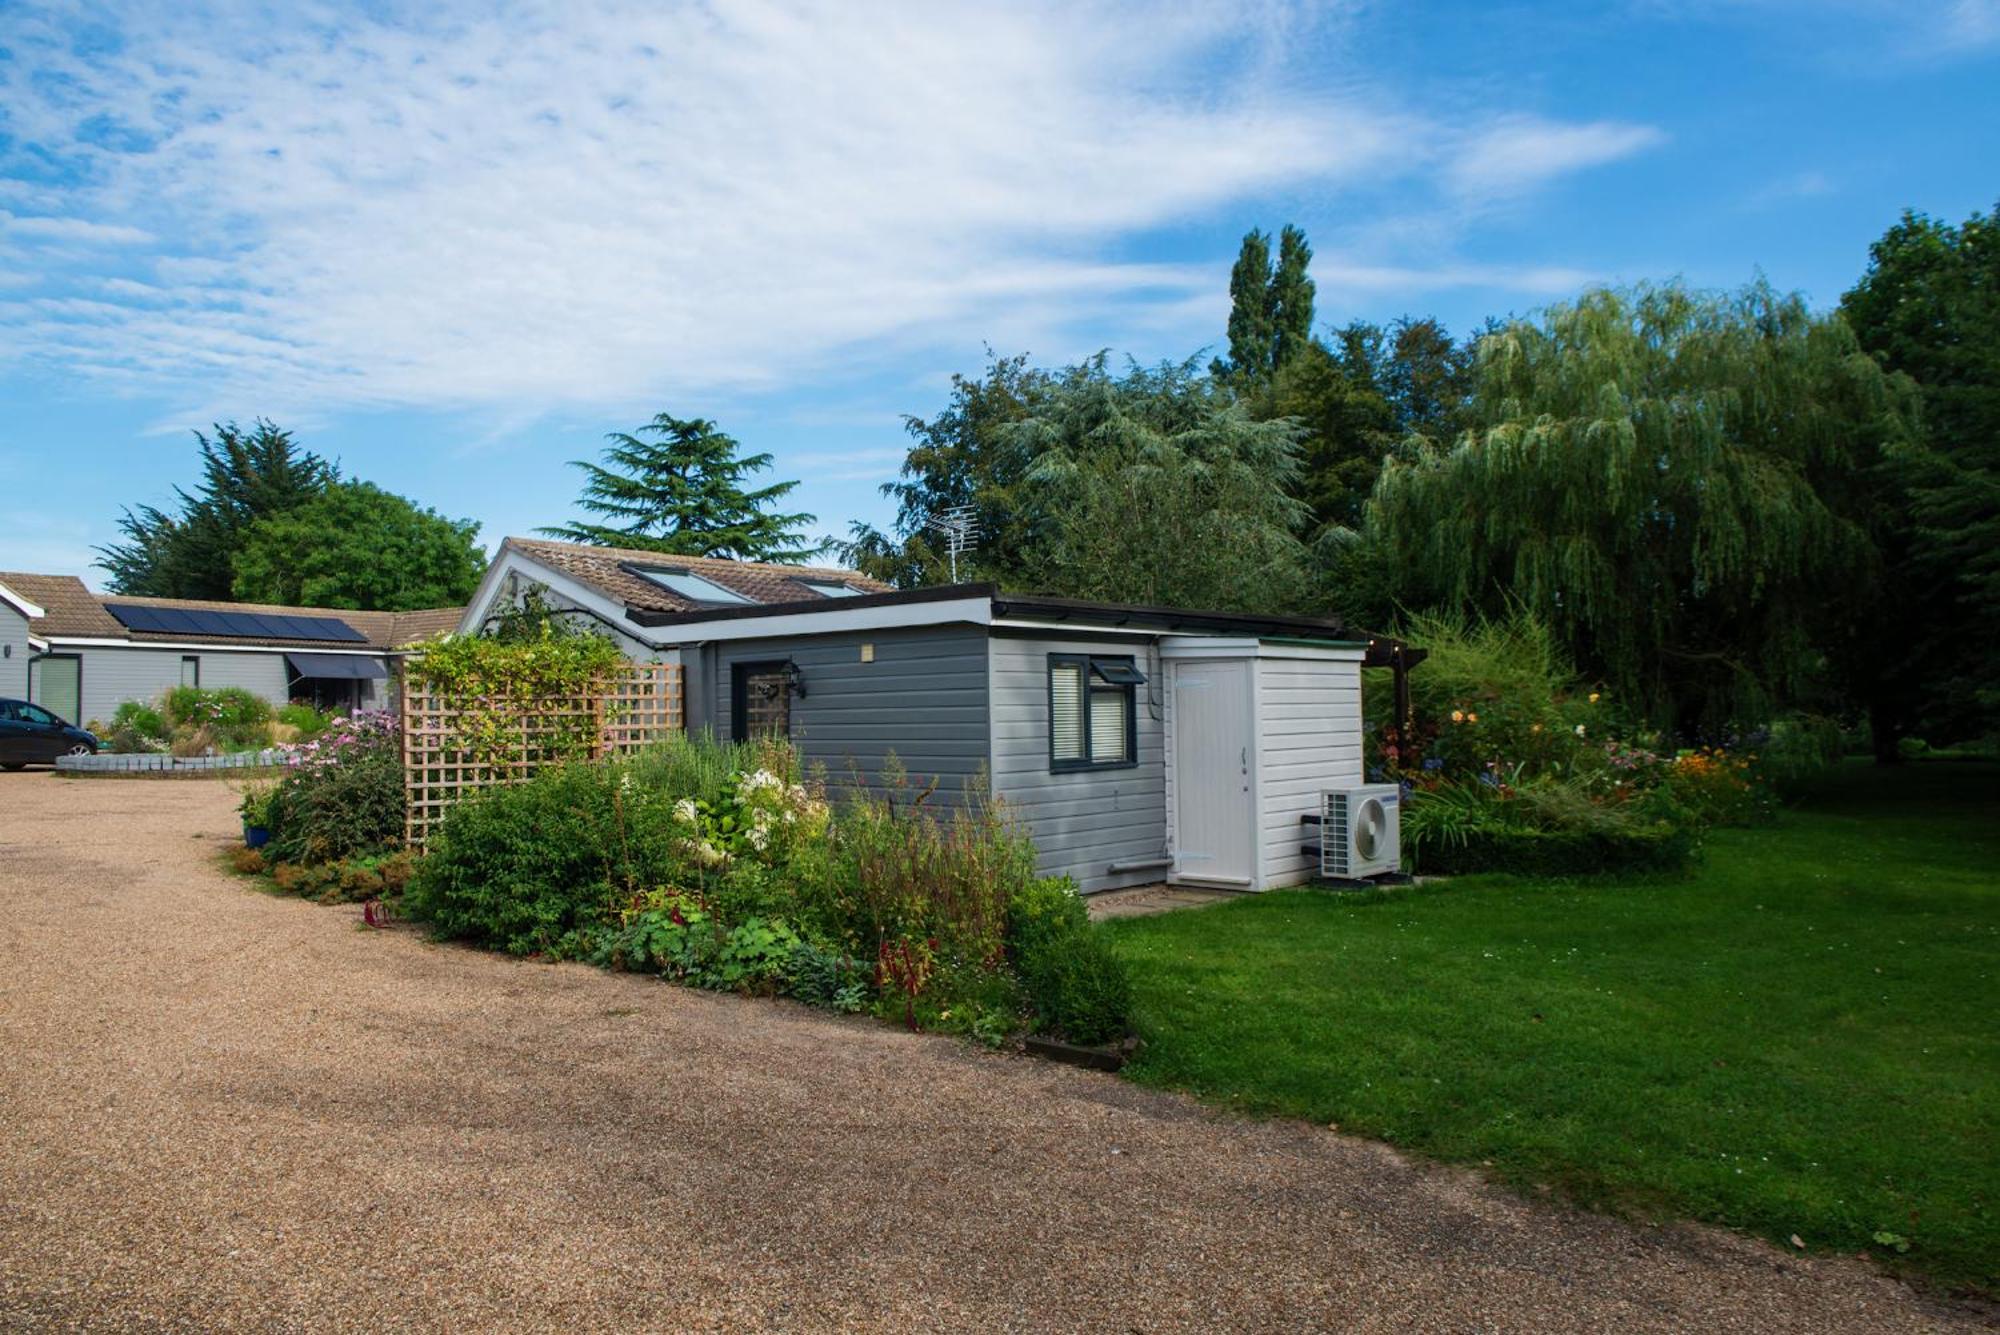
686 584
831 588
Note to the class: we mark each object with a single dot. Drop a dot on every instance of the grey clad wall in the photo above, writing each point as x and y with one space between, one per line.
13 652
923 697
115 674
1082 821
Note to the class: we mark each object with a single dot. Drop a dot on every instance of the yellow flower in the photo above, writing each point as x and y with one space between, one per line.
1472 718
1535 728
1458 716
1593 697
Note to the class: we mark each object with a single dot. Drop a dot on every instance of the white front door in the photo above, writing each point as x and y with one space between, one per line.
1215 827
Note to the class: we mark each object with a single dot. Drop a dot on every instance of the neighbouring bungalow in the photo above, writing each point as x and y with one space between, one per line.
80 654
1138 744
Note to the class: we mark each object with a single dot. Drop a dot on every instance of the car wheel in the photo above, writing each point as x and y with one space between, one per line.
15 765
81 749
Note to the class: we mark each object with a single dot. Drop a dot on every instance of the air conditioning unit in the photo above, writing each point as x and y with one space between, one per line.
1360 832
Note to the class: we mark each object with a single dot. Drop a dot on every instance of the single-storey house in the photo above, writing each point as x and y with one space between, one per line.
82 654
1137 744
16 612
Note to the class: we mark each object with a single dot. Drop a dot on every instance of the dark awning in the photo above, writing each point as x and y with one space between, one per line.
342 667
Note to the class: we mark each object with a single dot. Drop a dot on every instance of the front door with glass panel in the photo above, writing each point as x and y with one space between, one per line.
760 700
1215 827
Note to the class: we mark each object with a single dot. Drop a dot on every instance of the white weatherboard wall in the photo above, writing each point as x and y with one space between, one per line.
13 652
1308 740
1082 821
1306 737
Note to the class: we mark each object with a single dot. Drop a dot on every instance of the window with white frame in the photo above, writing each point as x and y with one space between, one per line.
1092 720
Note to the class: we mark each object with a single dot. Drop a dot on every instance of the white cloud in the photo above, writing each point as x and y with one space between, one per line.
1521 153
71 229
556 204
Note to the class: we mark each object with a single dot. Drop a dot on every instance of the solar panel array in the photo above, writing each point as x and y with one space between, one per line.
241 625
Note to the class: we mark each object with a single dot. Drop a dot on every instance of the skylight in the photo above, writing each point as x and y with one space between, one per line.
686 584
830 588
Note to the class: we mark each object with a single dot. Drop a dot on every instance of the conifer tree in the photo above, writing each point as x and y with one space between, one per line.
682 492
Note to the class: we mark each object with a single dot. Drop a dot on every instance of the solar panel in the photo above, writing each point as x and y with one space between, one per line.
332 628
209 623
242 625
133 617
262 625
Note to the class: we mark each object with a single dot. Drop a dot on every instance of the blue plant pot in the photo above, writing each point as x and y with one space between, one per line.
255 836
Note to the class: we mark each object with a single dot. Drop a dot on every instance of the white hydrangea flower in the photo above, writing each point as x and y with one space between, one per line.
685 812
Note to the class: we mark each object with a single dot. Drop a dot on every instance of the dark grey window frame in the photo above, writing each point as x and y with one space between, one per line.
1088 663
196 660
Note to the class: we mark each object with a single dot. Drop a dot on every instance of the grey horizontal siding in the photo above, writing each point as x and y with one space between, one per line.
1081 821
113 675
13 653
924 698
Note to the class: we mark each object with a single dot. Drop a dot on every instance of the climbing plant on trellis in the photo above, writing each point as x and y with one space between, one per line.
456 742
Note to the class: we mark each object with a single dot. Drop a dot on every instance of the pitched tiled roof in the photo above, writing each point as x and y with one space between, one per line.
603 568
413 626
74 610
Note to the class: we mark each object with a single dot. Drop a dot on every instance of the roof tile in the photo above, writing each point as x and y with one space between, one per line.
603 568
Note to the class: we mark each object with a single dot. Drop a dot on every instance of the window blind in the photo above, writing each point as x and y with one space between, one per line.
1107 725
1066 711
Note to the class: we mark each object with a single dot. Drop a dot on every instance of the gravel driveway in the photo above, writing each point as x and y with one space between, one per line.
220 1109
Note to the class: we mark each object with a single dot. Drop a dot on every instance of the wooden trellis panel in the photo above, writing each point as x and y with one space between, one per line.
443 760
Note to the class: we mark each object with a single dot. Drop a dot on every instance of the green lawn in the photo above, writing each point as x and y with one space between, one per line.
1802 1037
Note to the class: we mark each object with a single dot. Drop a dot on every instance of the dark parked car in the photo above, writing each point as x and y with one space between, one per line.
31 735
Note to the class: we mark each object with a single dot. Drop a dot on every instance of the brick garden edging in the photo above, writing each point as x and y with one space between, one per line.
158 765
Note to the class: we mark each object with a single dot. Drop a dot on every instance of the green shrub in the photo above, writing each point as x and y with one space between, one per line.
306 722
1530 852
228 718
546 865
829 979
1550 826
342 797
134 728
1798 751
1078 988
901 870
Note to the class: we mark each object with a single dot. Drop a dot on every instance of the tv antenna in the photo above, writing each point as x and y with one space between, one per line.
960 526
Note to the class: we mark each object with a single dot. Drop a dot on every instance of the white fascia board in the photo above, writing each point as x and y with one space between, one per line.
88 642
38 644
32 611
892 616
512 562
1237 646
1082 630
1331 653
1208 646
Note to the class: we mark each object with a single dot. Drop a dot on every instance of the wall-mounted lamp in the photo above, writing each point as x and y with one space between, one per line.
795 680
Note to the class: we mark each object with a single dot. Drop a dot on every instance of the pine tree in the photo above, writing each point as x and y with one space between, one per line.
246 476
682 493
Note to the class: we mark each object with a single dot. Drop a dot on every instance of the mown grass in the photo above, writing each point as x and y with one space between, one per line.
1801 1037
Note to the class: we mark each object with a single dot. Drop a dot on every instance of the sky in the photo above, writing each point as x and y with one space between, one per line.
452 246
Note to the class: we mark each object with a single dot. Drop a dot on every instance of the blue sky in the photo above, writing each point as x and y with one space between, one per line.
453 247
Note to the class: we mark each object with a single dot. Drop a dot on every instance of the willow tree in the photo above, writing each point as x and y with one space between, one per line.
1688 486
